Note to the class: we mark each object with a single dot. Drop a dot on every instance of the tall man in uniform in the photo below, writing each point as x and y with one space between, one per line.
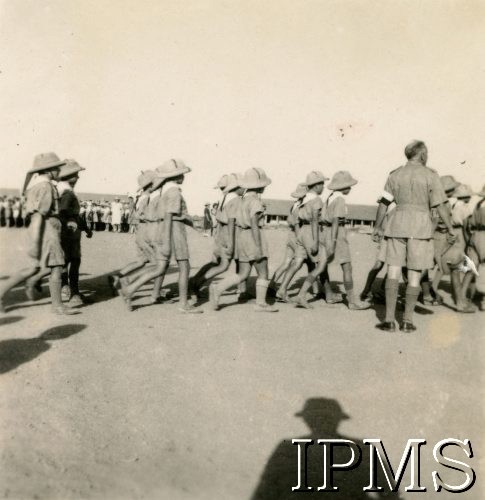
415 189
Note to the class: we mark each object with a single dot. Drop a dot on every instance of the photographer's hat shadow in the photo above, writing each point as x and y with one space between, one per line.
323 416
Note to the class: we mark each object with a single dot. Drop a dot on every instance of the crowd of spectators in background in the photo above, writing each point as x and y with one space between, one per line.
115 216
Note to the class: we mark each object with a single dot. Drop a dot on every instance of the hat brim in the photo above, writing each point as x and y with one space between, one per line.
481 193
255 185
49 166
70 174
341 416
231 187
298 194
176 173
157 182
339 187
309 184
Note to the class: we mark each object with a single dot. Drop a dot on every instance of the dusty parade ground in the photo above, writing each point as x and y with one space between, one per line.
158 405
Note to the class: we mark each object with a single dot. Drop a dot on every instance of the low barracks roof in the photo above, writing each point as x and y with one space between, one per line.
356 212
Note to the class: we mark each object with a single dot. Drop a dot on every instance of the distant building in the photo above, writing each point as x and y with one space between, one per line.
277 213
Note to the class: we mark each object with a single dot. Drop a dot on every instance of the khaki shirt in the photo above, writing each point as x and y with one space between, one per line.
250 206
335 208
477 219
141 207
43 198
310 208
415 189
229 208
172 202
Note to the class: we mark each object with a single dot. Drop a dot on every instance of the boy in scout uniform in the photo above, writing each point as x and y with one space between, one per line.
252 247
291 241
415 189
475 229
225 232
171 213
144 251
307 232
44 233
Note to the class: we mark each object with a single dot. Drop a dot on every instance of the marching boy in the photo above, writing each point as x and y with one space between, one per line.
144 251
171 239
252 247
225 232
307 232
44 233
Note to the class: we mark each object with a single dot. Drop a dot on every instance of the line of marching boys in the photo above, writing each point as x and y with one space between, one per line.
426 226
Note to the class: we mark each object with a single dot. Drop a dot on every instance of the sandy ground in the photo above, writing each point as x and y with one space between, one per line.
154 404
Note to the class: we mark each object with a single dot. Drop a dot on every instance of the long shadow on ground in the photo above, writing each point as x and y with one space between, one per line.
15 352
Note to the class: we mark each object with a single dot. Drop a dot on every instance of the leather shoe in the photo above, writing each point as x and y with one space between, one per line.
407 327
387 326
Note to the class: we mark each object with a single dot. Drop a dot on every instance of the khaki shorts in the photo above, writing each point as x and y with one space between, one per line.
342 248
246 246
416 255
221 241
144 241
180 248
291 242
304 243
476 249
52 252
382 250
452 256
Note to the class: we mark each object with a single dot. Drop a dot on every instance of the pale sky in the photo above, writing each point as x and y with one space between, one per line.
123 85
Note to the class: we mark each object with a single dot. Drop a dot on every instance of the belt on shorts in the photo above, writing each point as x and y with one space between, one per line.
480 227
456 226
405 206
304 223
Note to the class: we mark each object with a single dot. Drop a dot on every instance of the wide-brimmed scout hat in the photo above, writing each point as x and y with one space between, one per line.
482 192
222 182
300 191
42 162
342 180
233 182
46 161
169 170
70 169
449 182
463 191
315 177
255 178
145 178
324 408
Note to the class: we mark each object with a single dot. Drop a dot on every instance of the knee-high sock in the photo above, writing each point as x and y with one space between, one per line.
349 289
412 294
55 286
392 288
261 291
